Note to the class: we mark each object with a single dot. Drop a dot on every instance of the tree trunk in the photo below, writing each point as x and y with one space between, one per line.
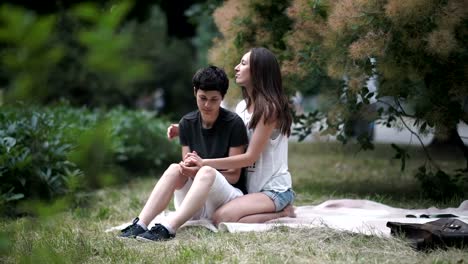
450 144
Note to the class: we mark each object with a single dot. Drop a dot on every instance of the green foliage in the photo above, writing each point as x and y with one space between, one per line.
273 20
93 154
441 186
98 68
33 160
4 243
28 52
91 54
305 123
139 139
39 63
200 15
49 152
401 154
170 62
107 47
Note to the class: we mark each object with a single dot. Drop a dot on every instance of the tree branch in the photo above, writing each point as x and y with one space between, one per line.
400 113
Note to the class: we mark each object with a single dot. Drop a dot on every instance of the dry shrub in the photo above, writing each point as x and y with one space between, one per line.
345 13
336 69
308 30
408 11
227 13
453 13
355 84
370 45
441 42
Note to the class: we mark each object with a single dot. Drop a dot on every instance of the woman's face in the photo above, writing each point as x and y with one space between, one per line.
242 70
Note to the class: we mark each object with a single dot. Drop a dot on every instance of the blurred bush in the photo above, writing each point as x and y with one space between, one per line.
49 152
139 140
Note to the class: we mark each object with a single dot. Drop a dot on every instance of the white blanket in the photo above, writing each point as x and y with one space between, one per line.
357 216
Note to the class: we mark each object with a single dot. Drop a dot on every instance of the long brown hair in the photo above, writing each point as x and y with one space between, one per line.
271 102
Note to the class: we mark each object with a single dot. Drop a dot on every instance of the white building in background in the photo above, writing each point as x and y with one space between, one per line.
398 134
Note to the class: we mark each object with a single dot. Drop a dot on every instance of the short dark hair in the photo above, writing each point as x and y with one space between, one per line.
211 78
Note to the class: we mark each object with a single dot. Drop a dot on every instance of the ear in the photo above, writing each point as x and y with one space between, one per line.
194 91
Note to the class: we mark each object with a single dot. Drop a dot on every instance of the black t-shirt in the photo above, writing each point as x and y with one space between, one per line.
227 131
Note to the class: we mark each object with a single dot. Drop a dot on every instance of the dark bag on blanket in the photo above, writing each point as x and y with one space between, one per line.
441 233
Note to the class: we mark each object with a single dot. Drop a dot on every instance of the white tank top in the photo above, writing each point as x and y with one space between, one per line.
270 172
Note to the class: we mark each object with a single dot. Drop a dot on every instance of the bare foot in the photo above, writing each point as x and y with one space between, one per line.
288 211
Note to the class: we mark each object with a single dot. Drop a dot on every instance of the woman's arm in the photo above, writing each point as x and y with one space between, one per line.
233 175
172 131
260 137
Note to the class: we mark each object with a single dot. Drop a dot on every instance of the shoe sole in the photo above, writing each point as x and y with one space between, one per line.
142 239
125 238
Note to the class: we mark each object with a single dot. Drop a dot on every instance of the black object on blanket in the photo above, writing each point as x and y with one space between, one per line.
431 216
441 233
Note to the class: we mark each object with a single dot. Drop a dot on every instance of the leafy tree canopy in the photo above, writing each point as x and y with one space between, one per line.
414 49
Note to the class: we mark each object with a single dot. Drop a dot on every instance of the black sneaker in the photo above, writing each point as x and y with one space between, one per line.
157 233
132 230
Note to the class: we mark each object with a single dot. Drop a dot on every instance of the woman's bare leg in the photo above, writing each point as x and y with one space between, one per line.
250 208
249 204
288 211
162 193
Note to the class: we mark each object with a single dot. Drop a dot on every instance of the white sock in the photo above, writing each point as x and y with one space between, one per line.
140 223
169 228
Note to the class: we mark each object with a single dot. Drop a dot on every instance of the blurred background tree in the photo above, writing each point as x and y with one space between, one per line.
28 52
99 55
200 15
414 50
245 24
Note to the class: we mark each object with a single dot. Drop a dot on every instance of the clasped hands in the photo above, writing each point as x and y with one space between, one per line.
191 164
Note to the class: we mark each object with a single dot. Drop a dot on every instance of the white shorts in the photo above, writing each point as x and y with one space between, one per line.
220 193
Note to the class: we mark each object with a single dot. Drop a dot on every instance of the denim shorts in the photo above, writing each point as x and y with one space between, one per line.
281 199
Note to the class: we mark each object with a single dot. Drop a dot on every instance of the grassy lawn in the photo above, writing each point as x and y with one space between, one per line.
320 172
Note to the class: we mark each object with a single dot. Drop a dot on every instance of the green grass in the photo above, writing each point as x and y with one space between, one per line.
330 171
320 172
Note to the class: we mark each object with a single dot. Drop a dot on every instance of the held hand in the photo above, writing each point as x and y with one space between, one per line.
190 154
173 131
188 171
193 159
